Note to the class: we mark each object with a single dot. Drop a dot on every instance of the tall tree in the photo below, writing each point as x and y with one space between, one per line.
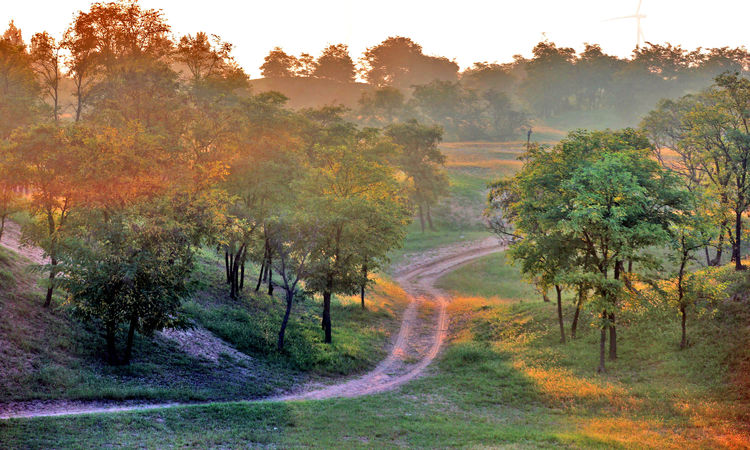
130 270
49 164
422 161
46 61
710 133
600 200
335 64
18 86
278 64
399 62
351 184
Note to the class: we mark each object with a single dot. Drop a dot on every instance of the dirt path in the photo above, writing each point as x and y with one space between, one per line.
418 342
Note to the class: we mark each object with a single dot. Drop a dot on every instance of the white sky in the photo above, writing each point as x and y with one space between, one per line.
464 30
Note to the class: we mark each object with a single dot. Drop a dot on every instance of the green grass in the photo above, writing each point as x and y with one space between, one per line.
504 380
490 276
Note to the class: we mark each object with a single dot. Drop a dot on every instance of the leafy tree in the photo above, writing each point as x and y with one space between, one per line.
710 134
49 163
130 270
360 204
119 59
18 86
11 199
46 61
278 64
588 205
399 62
306 65
483 76
422 161
550 79
335 64
382 106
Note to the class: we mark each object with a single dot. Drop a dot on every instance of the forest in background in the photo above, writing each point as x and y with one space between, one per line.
556 87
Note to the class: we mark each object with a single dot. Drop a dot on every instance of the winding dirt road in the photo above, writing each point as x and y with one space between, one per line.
423 329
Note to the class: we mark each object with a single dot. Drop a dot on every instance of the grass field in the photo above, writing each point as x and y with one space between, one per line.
504 380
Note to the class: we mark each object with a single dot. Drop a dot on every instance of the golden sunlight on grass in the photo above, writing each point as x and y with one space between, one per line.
383 296
560 387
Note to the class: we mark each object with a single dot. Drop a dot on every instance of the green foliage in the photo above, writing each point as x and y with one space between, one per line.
128 270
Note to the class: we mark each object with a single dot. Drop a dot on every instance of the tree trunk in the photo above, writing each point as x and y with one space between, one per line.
111 349
270 276
612 338
234 273
574 326
129 342
242 275
429 218
683 341
51 287
612 326
2 227
260 275
226 266
362 287
737 251
602 344
560 314
326 322
285 320
680 296
719 247
421 218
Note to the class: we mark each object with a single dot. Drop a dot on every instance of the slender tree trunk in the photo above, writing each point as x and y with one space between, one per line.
612 338
574 326
719 246
111 349
2 227
270 276
560 313
680 297
708 256
602 344
362 287
612 325
234 273
129 342
51 287
429 218
421 217
285 320
683 313
326 322
226 266
737 253
260 275
242 275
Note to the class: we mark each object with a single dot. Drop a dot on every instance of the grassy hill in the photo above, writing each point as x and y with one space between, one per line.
48 354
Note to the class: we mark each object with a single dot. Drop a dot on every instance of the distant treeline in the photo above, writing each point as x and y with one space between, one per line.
495 101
